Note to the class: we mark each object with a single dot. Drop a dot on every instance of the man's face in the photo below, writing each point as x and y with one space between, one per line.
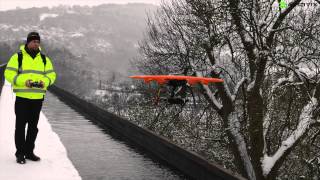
34 45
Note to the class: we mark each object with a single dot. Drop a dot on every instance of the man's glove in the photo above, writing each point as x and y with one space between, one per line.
37 84
28 83
41 84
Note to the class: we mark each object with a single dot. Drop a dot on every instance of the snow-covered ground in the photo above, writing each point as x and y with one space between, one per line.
54 164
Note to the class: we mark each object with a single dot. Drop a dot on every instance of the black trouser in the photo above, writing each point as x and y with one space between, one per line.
27 112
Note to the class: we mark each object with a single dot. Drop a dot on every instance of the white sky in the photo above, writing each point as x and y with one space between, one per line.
12 4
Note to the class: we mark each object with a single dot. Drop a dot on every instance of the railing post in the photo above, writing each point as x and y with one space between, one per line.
2 68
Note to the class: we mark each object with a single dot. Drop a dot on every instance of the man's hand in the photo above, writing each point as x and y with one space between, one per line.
28 83
41 84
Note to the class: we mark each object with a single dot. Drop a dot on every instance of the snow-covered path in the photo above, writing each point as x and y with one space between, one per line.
54 164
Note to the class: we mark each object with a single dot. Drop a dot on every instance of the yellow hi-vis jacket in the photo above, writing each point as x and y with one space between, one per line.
32 69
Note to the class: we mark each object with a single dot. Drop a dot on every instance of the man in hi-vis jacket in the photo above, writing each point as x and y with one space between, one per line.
30 72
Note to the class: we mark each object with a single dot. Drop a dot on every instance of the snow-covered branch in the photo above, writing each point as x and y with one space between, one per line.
236 89
267 119
281 81
227 90
212 97
303 74
210 94
305 120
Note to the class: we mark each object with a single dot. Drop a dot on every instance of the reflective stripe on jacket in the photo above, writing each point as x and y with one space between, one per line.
31 69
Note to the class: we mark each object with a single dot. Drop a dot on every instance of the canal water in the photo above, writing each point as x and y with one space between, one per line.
99 153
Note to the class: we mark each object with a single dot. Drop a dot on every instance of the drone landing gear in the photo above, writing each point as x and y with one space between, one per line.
177 92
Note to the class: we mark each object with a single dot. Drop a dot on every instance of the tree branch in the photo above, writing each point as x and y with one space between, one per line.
216 105
305 120
234 127
237 87
210 95
279 20
245 38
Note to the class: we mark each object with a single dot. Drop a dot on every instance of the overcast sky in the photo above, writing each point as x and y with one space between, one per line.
12 4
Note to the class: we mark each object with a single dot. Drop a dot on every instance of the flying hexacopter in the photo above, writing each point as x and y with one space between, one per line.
178 85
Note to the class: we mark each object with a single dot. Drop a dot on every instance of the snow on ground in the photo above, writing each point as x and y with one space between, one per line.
54 164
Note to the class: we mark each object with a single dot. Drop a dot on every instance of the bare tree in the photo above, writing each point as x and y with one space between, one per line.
269 60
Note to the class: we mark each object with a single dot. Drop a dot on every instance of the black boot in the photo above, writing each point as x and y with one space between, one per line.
21 159
32 157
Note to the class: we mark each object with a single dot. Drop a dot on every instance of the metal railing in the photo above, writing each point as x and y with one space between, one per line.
2 68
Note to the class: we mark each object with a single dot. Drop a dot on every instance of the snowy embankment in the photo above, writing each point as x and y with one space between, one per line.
54 164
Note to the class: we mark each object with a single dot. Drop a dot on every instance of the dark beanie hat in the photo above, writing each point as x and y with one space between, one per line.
33 36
